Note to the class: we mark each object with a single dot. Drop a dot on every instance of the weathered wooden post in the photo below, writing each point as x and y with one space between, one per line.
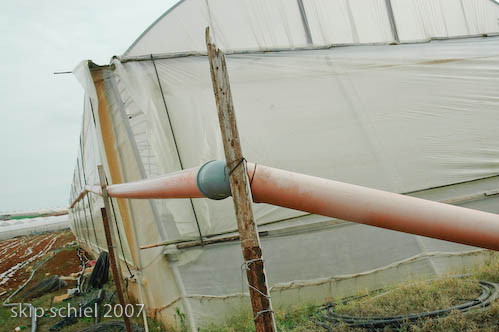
241 193
111 244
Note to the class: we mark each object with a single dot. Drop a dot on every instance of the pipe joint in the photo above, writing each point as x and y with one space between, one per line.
213 180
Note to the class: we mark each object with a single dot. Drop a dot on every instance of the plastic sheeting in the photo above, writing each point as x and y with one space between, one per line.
271 24
18 227
116 140
398 118
414 118
86 215
424 19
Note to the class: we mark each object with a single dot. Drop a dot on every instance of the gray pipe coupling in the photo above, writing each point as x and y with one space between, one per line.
213 180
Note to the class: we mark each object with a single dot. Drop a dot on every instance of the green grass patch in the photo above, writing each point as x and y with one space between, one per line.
409 297
418 296
295 319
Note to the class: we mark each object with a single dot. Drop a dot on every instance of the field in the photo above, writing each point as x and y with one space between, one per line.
18 254
58 252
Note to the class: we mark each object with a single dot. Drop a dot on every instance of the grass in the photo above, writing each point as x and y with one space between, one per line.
410 297
295 319
413 297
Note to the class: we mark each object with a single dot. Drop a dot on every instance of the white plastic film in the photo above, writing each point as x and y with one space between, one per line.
262 25
399 118
419 20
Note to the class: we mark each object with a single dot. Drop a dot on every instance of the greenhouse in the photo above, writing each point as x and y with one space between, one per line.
396 95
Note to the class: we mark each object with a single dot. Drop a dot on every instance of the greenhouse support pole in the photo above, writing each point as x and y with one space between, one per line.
117 275
111 245
241 193
111 146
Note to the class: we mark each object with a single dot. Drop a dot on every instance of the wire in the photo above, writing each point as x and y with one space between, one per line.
253 175
245 267
176 147
239 163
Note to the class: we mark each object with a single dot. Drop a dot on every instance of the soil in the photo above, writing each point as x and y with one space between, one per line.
20 254
64 263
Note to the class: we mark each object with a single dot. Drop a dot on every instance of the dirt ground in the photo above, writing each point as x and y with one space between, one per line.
18 255
58 254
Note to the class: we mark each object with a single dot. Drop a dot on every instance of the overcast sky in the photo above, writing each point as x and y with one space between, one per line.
40 112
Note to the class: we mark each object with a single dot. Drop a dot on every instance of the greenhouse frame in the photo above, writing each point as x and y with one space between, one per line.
397 95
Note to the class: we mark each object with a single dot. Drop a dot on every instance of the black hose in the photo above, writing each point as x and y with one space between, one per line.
100 273
490 292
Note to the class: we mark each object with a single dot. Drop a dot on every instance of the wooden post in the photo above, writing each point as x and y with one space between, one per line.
241 193
111 244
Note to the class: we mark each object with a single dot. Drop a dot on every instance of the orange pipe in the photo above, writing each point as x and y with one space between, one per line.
335 199
374 207
181 184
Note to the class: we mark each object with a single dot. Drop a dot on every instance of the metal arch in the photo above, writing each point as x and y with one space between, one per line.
304 19
153 25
